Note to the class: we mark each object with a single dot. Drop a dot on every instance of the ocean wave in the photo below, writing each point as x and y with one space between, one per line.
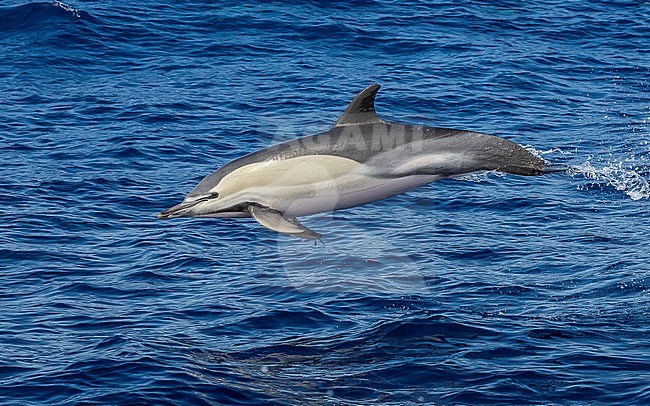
38 16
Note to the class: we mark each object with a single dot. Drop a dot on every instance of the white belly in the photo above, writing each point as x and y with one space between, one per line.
372 190
312 184
347 191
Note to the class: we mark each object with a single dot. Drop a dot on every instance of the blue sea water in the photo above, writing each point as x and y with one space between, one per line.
487 289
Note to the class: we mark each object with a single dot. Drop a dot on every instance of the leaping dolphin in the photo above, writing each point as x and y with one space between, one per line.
360 160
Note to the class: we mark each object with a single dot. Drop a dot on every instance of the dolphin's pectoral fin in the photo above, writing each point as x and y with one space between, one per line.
275 221
304 231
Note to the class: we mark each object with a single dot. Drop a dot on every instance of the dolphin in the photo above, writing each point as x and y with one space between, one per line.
360 160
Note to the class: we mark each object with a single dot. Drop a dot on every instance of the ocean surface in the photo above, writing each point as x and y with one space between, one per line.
488 289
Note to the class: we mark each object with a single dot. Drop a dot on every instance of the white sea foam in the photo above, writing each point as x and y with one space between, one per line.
474 177
615 174
623 174
68 8
555 150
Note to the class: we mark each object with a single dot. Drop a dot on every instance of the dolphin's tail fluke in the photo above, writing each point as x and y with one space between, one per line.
556 168
538 168
502 155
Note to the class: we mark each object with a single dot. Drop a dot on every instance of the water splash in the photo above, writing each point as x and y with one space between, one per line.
627 180
633 180
555 150
626 175
479 176
65 7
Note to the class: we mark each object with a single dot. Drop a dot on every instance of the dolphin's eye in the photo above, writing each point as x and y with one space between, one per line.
214 195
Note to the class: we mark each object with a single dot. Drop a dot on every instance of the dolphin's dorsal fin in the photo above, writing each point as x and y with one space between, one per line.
362 109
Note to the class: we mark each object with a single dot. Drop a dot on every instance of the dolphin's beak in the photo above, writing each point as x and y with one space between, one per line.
185 210
179 210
